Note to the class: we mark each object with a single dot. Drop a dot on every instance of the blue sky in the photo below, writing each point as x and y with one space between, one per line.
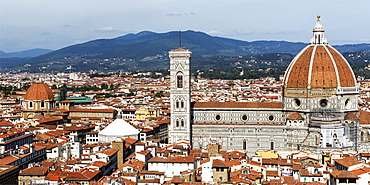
54 24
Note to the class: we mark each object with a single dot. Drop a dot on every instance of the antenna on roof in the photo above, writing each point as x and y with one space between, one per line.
180 37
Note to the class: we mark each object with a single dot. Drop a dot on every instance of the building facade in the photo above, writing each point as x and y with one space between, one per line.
319 109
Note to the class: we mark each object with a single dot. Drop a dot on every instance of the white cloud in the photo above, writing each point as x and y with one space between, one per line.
108 29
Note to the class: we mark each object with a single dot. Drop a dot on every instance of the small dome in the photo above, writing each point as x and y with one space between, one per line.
39 91
319 65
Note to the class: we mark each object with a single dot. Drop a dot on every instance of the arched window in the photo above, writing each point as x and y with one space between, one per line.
177 123
31 104
179 80
42 104
177 104
182 104
182 123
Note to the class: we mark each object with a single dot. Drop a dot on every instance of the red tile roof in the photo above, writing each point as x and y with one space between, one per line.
343 174
348 161
295 115
39 91
41 171
177 159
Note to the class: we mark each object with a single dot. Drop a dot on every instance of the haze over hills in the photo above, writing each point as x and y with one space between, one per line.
25 54
148 50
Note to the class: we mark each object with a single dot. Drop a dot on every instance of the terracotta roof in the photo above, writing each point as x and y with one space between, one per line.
348 161
41 171
272 173
177 159
39 91
364 117
181 49
343 174
350 115
238 105
91 110
322 65
295 115
134 163
361 171
6 123
219 163
7 160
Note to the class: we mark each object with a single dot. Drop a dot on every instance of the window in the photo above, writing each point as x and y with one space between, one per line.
31 104
182 104
342 180
42 104
271 118
180 81
177 123
244 145
297 102
324 103
244 117
218 117
182 123
177 104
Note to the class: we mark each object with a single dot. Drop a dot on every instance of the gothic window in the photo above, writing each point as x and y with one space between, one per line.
182 123
180 80
182 104
177 104
297 102
347 104
177 123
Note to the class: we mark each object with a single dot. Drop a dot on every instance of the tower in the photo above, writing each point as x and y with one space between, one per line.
180 94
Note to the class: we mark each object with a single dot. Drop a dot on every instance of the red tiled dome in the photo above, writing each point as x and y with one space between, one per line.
39 91
319 65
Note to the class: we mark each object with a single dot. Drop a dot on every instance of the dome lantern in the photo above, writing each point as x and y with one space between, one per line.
318 33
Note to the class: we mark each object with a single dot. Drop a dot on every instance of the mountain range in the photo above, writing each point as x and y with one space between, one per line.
147 51
25 54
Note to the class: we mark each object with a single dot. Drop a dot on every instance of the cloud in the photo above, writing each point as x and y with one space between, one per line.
174 14
180 14
107 29
214 32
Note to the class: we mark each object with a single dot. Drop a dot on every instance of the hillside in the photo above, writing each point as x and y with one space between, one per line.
148 51
25 54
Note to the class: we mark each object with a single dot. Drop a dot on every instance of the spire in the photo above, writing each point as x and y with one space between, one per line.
318 33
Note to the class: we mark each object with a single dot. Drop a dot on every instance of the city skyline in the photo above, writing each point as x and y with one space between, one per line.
24 24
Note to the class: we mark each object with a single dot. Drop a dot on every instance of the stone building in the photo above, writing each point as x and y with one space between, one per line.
319 109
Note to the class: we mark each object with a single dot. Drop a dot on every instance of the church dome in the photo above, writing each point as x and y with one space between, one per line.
39 91
319 65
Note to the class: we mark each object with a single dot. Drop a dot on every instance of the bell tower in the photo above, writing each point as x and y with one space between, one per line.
180 94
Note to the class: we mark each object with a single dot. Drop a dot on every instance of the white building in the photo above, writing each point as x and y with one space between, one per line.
171 166
119 128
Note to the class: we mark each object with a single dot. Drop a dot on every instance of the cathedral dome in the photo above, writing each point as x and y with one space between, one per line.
39 91
319 65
